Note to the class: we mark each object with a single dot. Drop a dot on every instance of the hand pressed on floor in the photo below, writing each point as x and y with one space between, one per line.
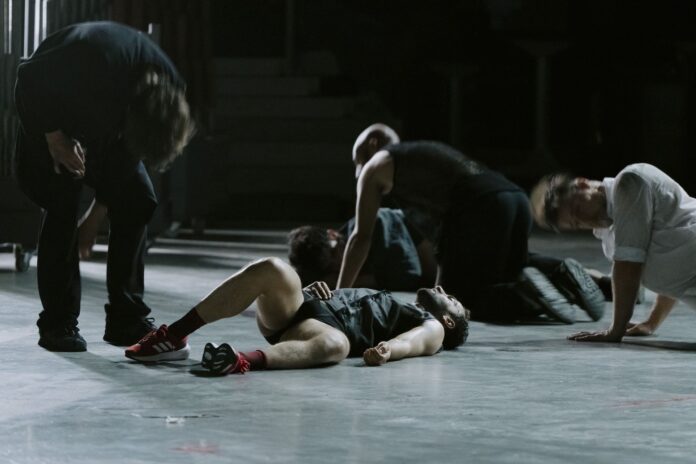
602 336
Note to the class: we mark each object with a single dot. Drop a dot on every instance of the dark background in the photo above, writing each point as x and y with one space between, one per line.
619 86
617 89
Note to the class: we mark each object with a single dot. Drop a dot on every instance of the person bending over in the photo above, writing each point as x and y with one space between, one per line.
97 102
647 225
311 326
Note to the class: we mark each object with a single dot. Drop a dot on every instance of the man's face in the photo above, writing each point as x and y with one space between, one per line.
584 208
441 305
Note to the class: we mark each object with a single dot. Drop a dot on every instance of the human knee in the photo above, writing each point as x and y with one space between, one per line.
139 213
271 268
333 347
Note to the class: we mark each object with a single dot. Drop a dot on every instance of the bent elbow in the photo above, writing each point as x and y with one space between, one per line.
437 336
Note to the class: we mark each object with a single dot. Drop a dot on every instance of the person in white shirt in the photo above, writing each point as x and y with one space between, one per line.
647 224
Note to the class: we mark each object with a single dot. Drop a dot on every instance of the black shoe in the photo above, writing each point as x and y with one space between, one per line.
127 331
604 284
540 294
66 339
577 285
220 360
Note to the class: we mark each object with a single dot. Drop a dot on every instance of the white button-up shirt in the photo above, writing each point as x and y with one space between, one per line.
654 222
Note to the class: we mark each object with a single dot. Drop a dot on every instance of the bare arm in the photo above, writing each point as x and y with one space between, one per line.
661 308
370 189
426 255
424 340
626 282
88 228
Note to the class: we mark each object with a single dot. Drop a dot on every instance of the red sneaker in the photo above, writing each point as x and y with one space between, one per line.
159 345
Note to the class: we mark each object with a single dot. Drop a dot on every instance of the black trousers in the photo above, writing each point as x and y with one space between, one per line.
128 194
482 252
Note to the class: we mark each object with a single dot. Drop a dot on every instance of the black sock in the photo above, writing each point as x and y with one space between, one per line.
187 324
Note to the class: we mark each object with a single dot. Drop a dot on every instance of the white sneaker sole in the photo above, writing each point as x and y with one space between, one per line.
178 355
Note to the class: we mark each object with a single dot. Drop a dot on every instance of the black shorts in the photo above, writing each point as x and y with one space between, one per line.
365 316
310 309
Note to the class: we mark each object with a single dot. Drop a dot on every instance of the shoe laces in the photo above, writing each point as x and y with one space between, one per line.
241 366
70 331
154 334
244 365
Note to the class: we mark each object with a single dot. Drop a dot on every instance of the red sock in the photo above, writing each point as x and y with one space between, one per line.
187 324
257 359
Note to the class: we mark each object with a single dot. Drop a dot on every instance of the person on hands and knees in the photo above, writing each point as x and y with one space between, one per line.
477 221
310 326
647 225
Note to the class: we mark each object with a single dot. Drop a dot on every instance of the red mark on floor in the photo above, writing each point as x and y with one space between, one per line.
198 449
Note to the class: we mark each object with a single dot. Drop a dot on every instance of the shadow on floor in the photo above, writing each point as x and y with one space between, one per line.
663 344
557 344
188 260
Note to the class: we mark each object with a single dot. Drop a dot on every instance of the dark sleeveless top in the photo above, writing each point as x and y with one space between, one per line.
432 178
365 316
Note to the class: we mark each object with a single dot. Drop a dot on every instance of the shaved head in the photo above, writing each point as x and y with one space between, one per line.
370 141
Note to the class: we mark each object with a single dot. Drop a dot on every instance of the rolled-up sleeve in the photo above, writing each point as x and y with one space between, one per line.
633 217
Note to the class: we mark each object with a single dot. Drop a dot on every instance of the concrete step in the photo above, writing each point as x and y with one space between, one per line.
318 63
289 210
228 152
280 168
338 130
290 179
226 86
249 66
289 107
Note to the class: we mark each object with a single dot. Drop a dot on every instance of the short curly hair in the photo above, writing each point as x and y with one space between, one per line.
310 253
457 335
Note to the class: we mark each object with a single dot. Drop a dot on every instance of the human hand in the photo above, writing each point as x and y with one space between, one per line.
319 289
606 336
86 240
639 329
88 228
377 355
66 152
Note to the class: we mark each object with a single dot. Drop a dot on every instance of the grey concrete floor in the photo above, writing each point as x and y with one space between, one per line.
512 394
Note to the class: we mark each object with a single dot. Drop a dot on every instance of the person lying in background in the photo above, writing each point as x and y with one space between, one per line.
400 258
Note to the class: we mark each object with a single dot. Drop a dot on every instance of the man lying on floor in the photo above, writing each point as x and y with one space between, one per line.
311 326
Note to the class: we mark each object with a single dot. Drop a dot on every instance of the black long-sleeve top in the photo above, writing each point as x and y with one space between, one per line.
81 78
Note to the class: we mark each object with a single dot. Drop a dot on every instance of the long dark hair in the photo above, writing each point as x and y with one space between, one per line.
158 123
